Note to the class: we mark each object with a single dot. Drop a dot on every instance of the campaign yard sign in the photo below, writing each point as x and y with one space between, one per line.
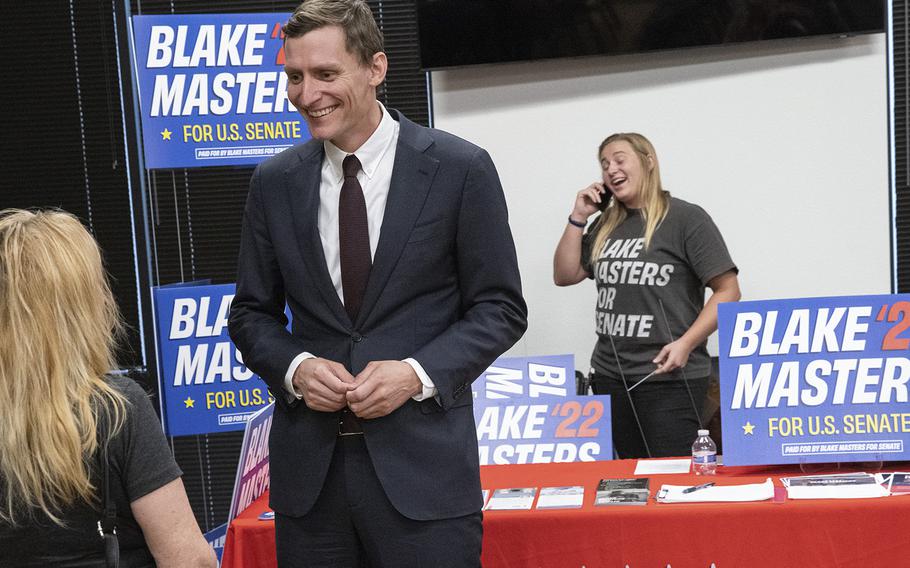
212 89
526 411
252 479
542 375
543 430
205 387
815 380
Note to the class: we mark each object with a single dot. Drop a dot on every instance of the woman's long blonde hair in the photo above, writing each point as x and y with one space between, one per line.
654 200
59 325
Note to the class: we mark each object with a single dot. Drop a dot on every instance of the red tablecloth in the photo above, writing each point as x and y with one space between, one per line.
868 533
250 543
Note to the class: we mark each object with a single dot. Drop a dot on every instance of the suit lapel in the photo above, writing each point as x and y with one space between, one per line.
412 176
302 183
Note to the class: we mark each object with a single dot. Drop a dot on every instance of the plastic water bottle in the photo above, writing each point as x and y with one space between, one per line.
704 454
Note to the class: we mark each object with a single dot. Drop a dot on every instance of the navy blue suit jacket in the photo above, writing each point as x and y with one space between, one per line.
444 289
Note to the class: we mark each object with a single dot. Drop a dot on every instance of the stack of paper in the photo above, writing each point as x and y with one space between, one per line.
726 493
655 467
898 483
571 497
511 499
622 491
835 486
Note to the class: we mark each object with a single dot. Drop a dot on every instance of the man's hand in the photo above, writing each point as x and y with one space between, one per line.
382 387
323 384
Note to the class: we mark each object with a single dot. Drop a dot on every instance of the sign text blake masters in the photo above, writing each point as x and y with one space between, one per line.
212 89
815 380
204 384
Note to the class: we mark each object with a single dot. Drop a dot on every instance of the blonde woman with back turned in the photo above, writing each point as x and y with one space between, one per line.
60 410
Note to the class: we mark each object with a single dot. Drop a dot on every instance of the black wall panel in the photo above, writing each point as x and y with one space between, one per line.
900 38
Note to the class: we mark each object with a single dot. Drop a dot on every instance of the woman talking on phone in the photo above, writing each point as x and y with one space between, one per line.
651 256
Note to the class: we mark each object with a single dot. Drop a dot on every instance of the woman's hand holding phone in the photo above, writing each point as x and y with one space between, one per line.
590 200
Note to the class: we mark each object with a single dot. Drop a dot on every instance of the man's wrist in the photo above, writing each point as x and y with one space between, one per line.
292 369
428 388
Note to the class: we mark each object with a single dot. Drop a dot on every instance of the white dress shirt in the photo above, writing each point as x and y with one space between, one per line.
377 158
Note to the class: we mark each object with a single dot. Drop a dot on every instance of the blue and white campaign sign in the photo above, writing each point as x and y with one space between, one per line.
541 375
526 411
815 380
205 387
543 430
215 538
212 90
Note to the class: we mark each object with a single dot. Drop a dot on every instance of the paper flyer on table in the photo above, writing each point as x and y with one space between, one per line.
718 493
838 486
515 498
571 497
656 467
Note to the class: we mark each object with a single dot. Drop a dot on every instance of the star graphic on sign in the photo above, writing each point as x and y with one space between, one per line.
166 134
748 429
189 402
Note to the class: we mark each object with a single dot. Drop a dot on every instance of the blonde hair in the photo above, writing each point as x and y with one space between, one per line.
655 202
59 325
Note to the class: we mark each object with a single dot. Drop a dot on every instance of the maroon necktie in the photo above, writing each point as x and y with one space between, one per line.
353 238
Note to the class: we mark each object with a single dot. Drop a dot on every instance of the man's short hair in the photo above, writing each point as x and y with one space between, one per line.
362 36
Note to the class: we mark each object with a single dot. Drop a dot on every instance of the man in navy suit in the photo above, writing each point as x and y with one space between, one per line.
373 448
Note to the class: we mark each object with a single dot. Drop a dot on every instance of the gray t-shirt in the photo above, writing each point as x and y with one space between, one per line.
648 298
141 462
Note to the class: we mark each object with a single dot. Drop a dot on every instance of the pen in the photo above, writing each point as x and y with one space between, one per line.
643 380
697 487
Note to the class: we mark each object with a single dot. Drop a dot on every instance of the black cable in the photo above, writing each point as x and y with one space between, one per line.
681 369
629 395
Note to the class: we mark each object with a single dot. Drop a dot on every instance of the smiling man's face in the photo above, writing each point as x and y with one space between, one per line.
333 90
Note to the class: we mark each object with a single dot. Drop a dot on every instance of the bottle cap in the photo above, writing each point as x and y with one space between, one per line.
704 433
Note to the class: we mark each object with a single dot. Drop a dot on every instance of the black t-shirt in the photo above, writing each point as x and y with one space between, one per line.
649 297
141 462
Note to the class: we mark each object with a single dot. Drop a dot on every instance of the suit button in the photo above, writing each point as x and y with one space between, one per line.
356 337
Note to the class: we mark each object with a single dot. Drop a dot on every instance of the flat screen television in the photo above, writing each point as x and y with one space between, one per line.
473 32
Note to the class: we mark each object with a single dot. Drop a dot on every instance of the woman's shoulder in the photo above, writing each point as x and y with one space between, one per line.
683 205
130 389
686 210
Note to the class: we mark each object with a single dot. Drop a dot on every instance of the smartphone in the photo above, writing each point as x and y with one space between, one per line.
605 198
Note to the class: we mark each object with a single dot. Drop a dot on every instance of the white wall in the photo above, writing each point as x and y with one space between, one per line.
784 144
